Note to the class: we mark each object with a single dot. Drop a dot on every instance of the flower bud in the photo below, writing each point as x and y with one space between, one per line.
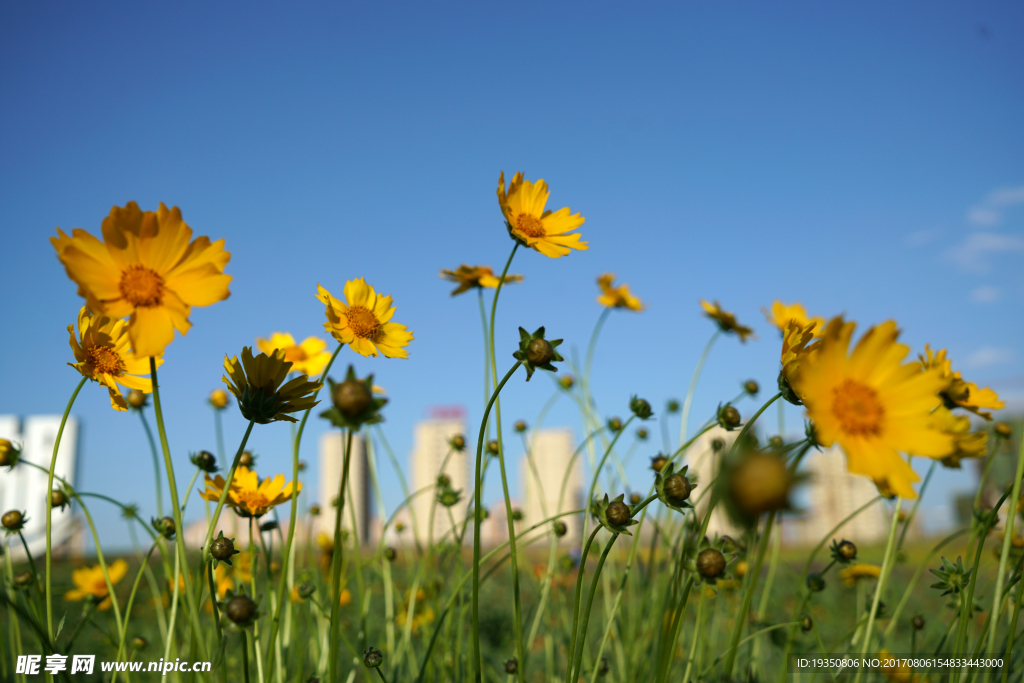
1002 429
618 513
614 424
566 382
640 408
729 417
443 480
635 498
13 520
540 352
165 526
658 462
457 443
306 590
240 609
710 563
24 579
717 445
219 399
520 426
390 554
136 399
517 515
372 657
139 643
847 550
269 525
918 622
761 483
672 406
751 387
399 527
512 666
247 459
776 442
222 548
815 583
302 466
205 460
492 447
806 624
560 528
352 398
677 489
9 453
58 499
641 434
314 510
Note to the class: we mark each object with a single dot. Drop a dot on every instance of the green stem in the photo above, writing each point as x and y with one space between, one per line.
156 464
917 503
577 599
597 471
688 401
245 657
590 601
49 510
748 594
131 598
1011 518
176 508
478 495
336 558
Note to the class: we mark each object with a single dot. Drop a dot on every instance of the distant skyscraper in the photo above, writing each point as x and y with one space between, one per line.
427 461
704 461
551 451
835 494
357 498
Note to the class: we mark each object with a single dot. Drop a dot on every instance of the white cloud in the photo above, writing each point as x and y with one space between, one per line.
988 356
990 211
985 295
974 255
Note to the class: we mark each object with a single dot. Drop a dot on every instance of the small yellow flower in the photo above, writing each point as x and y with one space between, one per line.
855 572
531 225
476 277
89 582
782 315
966 444
147 267
616 297
363 321
103 352
957 393
726 321
257 384
309 358
345 597
871 403
219 399
796 347
248 496
231 576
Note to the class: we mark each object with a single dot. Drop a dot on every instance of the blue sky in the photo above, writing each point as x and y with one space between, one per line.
861 158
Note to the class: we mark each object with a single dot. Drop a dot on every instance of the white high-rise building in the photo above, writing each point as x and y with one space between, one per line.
431 455
835 494
544 470
357 496
704 461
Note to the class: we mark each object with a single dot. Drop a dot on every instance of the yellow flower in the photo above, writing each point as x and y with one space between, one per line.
966 444
956 393
470 277
795 347
256 383
248 496
219 399
146 267
231 576
855 572
616 297
103 352
364 321
871 403
89 582
782 315
309 358
726 321
530 225
344 597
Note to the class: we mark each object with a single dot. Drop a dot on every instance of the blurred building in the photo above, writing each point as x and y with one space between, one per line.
834 495
431 455
545 470
25 489
357 496
704 458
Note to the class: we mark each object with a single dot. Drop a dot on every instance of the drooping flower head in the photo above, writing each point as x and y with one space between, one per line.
257 384
782 315
89 583
966 444
531 225
617 297
796 346
363 321
871 403
476 277
147 267
726 321
248 496
103 353
308 358
957 393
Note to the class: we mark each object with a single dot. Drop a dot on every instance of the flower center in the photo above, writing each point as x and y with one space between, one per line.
253 501
363 322
530 225
105 360
295 354
858 409
142 286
